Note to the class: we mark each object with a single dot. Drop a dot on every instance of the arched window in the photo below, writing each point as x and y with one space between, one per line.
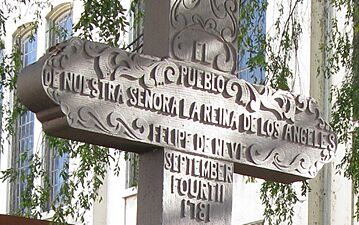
23 146
28 49
59 24
136 30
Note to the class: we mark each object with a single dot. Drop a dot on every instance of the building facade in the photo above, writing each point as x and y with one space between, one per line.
330 192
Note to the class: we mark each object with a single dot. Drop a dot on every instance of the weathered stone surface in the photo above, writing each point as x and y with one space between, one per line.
180 106
179 188
91 92
200 31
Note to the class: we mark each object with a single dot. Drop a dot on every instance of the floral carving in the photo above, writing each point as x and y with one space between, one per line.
138 130
281 159
61 54
116 124
238 88
284 105
213 23
91 119
129 70
111 63
190 4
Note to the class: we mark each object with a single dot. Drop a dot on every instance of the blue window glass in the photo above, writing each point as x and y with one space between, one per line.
24 150
131 170
62 28
57 165
24 142
249 49
29 50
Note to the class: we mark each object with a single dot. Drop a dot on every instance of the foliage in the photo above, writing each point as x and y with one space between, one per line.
278 200
93 161
106 18
273 52
252 33
340 55
345 113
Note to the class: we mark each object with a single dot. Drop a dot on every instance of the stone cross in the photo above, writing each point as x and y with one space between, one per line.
181 107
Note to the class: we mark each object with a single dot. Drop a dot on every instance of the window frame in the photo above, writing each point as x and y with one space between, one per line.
19 186
52 155
136 31
59 14
27 42
56 16
25 123
132 169
135 45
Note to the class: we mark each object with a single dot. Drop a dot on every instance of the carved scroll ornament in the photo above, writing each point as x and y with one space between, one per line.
118 99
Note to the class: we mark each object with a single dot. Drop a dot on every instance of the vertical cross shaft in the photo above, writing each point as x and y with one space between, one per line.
200 31
182 189
179 188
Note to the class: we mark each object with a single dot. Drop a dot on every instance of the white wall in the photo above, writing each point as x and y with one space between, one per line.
119 204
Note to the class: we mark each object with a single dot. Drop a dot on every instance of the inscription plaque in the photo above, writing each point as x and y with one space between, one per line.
103 95
182 108
194 189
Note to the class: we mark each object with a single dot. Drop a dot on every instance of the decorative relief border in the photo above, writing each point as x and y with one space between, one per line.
111 64
301 163
116 125
189 24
